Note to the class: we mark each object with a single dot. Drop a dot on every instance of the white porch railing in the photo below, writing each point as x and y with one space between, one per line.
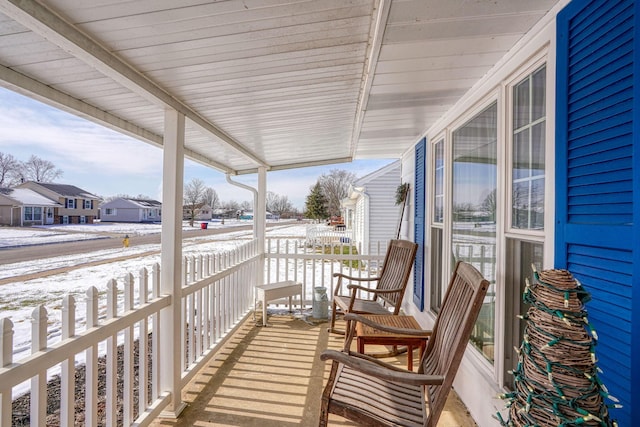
217 294
313 263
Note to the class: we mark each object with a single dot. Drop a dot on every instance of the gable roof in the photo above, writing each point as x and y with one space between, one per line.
376 174
66 190
27 197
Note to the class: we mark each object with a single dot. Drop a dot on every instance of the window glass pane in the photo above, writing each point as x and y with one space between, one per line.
436 269
474 209
537 149
438 182
528 153
537 204
521 104
438 210
520 213
521 256
538 107
521 155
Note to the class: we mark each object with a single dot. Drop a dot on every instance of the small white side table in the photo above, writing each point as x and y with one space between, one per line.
272 291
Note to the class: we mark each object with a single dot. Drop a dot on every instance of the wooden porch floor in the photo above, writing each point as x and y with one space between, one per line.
273 377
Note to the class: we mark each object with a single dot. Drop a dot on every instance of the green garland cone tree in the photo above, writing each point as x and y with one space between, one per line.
556 382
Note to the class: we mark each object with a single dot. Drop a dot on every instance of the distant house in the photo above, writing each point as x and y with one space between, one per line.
370 210
22 206
125 209
75 205
203 212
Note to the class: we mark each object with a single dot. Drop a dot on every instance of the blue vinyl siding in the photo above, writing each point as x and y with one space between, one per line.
419 215
595 210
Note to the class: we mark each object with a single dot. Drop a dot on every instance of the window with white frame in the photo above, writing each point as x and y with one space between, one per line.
109 211
88 204
525 244
71 203
83 219
33 213
436 228
65 219
528 164
473 228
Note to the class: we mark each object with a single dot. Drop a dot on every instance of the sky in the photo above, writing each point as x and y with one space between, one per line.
107 163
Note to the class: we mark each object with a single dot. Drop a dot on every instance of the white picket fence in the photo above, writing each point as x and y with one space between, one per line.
321 234
216 296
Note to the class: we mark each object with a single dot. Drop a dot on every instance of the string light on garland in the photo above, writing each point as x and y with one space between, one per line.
556 380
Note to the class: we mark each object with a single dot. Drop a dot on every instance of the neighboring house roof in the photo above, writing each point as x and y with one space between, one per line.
146 203
67 190
27 197
127 203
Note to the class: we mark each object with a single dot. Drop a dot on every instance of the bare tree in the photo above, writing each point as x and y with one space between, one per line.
278 204
39 170
193 198
211 198
335 187
9 170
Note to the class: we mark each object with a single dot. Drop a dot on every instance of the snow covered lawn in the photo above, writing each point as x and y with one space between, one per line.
19 299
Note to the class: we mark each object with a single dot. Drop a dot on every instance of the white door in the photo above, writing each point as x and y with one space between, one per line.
48 216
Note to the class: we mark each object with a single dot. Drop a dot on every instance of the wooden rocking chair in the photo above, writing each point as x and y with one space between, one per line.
389 290
373 393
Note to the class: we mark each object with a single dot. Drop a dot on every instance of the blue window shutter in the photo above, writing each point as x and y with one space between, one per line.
419 215
596 207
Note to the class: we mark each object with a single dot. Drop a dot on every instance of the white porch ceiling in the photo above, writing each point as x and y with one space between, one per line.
277 83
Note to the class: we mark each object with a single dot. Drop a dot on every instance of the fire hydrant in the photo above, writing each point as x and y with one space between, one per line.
125 241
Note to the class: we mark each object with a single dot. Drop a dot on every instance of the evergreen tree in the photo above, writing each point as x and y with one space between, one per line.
315 204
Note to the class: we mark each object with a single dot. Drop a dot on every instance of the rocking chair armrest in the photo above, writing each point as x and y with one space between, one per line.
341 276
379 371
360 279
354 288
391 329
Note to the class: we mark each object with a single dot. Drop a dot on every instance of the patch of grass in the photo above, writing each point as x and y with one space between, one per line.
343 250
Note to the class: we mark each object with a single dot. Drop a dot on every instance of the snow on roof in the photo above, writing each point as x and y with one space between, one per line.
147 203
27 197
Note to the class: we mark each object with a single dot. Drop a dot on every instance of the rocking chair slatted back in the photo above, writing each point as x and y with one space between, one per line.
395 272
388 291
445 348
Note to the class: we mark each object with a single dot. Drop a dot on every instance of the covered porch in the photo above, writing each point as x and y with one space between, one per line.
247 87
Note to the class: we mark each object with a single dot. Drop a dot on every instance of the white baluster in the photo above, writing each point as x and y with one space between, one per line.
67 376
38 411
91 386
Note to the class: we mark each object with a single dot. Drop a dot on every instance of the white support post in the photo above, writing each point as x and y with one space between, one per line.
260 219
171 260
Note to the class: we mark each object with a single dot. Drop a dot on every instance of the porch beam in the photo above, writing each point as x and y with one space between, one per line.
375 42
171 261
43 21
31 88
298 165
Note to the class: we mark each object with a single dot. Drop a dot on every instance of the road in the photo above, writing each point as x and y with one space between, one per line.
34 252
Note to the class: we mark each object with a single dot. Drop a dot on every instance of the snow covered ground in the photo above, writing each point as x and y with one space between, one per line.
19 299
